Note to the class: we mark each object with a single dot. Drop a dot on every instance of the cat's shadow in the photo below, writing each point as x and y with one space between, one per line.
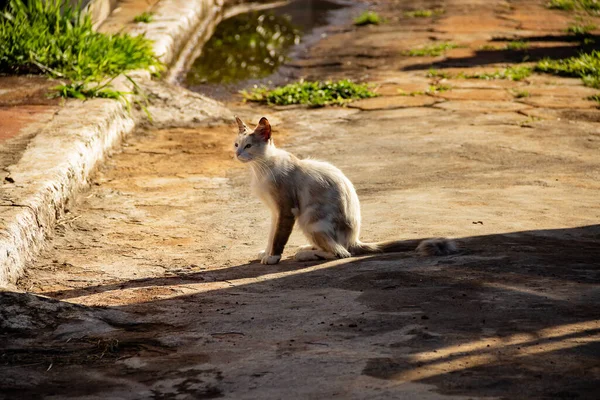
252 269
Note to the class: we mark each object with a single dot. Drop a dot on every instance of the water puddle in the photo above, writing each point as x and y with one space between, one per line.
252 48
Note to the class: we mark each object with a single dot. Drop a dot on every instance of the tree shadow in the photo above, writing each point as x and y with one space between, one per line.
485 57
513 315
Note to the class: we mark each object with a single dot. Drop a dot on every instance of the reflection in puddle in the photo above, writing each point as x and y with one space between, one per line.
250 48
247 46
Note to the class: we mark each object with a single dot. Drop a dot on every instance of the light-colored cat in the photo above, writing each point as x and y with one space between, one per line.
318 196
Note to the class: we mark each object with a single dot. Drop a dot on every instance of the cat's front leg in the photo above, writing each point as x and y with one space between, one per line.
282 224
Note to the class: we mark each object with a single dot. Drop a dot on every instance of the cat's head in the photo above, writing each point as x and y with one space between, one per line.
251 145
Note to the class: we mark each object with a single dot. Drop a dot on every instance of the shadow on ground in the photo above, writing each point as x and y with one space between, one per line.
514 315
562 49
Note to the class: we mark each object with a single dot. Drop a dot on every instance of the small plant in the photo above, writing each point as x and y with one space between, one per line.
424 13
432 50
415 93
439 88
580 30
528 123
517 45
145 17
435 73
517 73
315 94
588 41
58 40
368 18
520 94
595 97
585 65
565 5
592 81
590 6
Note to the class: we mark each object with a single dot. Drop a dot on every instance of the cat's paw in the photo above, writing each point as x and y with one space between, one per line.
270 259
261 254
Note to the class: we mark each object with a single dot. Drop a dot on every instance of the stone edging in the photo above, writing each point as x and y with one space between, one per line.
61 157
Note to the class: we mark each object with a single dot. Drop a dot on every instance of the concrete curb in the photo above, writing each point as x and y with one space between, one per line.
60 159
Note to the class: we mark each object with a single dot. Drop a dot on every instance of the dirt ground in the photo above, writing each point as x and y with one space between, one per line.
149 288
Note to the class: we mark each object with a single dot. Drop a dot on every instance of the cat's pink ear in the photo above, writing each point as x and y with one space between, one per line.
263 129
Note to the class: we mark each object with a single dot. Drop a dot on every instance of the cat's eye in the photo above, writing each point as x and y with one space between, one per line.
236 145
247 146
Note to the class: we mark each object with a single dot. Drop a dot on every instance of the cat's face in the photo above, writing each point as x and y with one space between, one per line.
250 145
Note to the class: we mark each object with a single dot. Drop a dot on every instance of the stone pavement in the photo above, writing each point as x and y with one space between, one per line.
147 288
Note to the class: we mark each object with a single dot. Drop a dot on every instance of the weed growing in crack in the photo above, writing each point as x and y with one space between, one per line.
424 13
517 45
516 73
585 66
368 18
433 50
439 88
145 17
436 73
577 29
590 6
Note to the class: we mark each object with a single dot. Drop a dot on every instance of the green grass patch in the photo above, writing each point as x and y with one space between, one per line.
368 18
517 45
590 6
578 29
439 88
436 73
431 90
145 17
516 73
595 97
416 93
585 66
57 39
424 13
565 5
314 94
433 50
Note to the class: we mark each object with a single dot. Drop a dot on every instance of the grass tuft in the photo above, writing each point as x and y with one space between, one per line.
145 17
436 73
595 97
368 18
516 73
424 13
439 88
517 45
590 6
577 29
585 65
56 39
433 50
315 94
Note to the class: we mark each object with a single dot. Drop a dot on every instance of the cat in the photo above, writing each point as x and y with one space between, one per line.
318 196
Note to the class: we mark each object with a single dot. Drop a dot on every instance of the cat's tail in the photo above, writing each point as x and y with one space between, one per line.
426 247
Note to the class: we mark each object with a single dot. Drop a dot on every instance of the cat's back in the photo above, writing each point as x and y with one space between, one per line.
322 174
